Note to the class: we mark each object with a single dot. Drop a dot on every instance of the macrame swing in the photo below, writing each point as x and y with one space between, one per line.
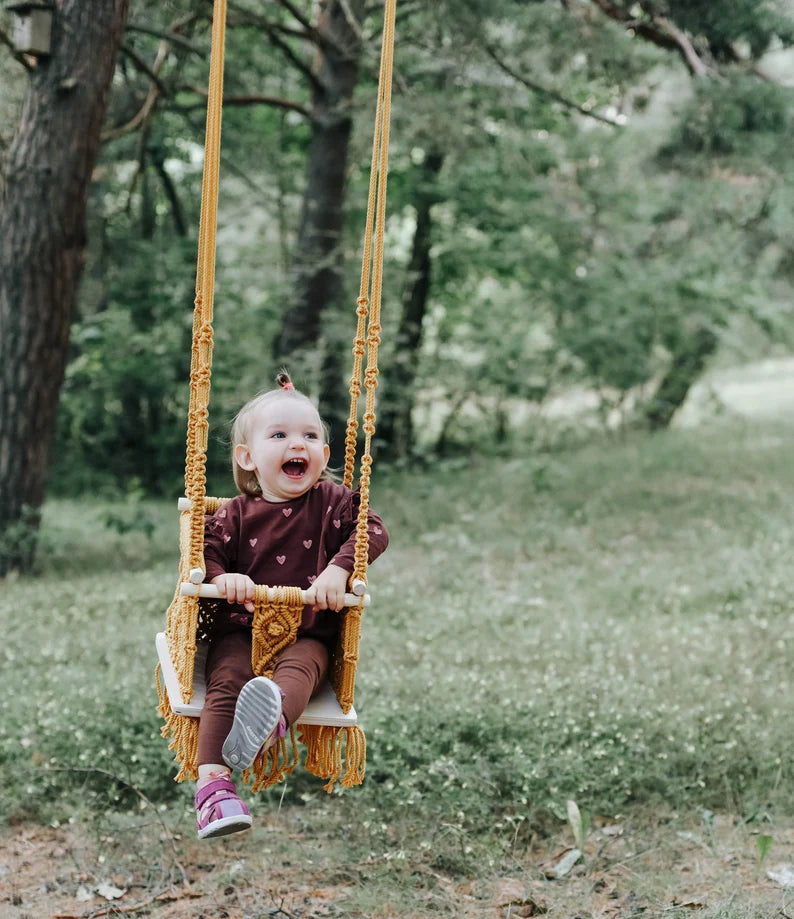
336 748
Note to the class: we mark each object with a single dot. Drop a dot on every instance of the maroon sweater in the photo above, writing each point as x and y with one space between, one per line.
289 543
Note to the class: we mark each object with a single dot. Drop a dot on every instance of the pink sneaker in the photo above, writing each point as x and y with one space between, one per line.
258 723
219 810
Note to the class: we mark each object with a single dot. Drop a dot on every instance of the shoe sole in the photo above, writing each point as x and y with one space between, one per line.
255 715
225 826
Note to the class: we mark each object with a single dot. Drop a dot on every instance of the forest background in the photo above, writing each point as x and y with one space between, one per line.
581 195
589 213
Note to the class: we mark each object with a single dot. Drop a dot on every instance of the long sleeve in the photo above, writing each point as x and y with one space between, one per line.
378 536
220 540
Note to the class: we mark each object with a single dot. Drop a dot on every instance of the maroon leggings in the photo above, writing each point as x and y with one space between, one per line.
299 671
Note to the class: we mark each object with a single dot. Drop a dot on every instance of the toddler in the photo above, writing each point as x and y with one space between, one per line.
291 525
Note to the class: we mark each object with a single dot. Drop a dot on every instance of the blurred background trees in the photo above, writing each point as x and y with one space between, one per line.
583 194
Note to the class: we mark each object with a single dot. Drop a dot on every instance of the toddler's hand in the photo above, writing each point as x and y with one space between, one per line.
328 591
237 588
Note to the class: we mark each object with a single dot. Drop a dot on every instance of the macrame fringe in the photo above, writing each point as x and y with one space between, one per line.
183 732
324 754
274 765
334 754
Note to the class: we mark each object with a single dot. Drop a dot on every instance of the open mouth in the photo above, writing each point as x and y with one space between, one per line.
294 468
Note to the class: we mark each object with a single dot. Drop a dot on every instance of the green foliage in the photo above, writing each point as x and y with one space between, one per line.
18 541
728 22
726 117
125 396
763 843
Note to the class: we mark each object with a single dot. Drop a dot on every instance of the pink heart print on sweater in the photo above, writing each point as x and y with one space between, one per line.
281 559
307 543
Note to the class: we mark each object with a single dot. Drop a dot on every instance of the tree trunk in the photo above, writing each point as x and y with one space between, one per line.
686 367
318 261
42 239
395 427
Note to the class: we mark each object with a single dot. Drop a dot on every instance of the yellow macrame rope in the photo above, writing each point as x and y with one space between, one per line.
345 659
369 298
362 310
201 352
374 326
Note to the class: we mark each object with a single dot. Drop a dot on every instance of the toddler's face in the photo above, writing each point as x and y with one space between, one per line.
286 449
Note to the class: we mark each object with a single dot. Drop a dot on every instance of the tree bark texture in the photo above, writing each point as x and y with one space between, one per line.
318 260
396 428
42 240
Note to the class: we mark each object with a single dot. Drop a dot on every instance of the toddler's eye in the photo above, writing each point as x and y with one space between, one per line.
278 434
310 435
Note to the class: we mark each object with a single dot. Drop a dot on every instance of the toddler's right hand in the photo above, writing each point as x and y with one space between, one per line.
237 588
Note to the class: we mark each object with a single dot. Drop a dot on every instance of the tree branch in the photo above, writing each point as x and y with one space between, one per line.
252 99
141 65
548 93
151 97
169 35
173 197
685 46
755 67
355 25
246 17
310 29
659 31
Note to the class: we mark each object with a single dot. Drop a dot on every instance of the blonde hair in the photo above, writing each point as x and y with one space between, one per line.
245 479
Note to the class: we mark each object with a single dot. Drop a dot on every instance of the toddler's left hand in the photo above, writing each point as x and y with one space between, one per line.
328 591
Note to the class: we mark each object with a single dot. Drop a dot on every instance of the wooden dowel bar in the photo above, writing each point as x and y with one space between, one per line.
211 592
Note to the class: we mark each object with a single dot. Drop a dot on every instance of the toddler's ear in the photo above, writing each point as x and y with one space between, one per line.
242 456
326 453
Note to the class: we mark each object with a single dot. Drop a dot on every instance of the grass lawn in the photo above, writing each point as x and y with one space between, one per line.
609 625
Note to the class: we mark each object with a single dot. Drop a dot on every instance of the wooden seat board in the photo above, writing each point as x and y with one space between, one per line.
323 708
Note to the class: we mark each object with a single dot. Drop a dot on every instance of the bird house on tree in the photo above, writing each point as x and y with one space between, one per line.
32 26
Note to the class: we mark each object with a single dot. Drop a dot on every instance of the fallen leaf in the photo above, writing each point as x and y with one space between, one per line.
697 902
782 875
512 895
109 892
563 863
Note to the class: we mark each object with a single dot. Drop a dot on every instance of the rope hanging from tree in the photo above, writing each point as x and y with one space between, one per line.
277 610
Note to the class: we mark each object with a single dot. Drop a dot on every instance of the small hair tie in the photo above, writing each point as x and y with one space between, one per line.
287 385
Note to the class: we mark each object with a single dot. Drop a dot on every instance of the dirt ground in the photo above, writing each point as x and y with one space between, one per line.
710 870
